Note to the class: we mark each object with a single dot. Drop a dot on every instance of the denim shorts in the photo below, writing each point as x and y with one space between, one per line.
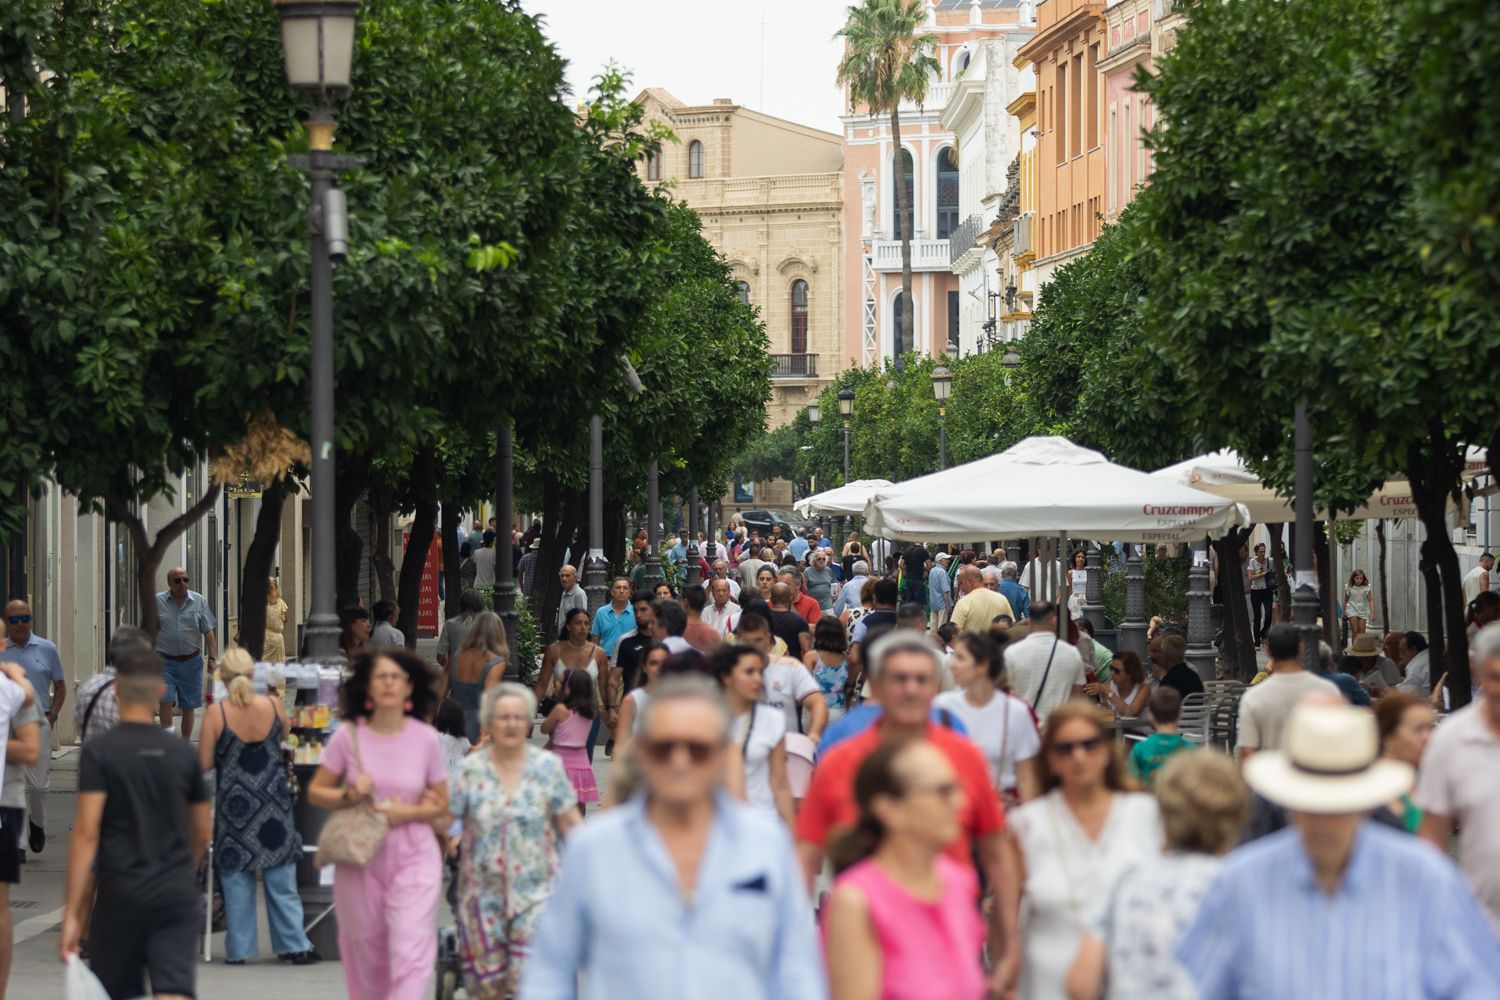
184 679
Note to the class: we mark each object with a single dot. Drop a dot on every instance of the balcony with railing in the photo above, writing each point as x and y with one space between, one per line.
794 366
965 238
1023 246
926 255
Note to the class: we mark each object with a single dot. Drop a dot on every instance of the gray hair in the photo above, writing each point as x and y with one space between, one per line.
1327 659
991 573
860 568
900 641
687 687
505 689
1487 643
1010 570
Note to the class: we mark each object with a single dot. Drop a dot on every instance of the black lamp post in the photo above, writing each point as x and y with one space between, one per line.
1305 603
846 410
596 567
318 43
942 384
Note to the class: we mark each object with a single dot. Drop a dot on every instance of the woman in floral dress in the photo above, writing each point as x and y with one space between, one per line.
515 802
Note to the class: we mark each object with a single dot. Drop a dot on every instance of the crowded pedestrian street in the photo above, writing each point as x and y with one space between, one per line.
857 500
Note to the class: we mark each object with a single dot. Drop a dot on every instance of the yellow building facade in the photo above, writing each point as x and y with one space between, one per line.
770 194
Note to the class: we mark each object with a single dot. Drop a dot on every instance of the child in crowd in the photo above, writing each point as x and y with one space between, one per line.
568 728
1164 708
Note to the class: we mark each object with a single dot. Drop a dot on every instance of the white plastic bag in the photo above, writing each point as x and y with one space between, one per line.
81 984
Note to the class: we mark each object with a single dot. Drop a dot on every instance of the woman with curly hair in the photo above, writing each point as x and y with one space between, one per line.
384 754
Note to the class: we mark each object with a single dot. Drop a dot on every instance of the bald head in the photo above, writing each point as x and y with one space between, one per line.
969 578
16 630
781 597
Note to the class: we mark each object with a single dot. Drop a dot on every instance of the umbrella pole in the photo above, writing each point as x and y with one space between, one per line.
1062 546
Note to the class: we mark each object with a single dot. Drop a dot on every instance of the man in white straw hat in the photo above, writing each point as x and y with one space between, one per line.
1334 905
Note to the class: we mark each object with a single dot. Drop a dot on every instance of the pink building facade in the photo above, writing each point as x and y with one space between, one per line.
872 245
1127 113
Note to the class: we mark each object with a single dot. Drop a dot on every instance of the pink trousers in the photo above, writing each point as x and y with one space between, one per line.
387 917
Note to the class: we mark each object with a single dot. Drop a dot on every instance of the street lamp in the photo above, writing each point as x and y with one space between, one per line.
846 410
318 43
1011 361
813 414
942 384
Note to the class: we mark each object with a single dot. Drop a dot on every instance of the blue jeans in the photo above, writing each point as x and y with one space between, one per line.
283 912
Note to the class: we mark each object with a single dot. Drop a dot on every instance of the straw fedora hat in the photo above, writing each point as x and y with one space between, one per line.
1364 644
1331 763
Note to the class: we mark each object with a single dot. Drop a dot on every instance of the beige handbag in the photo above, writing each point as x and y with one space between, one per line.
353 835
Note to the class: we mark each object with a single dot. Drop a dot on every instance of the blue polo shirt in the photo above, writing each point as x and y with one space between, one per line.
798 548
611 626
42 663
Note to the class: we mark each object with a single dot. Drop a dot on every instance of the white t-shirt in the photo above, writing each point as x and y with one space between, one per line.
640 696
1264 707
484 567
1026 661
766 735
1002 730
11 697
787 683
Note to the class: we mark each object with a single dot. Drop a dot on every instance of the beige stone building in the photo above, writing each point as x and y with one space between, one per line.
770 194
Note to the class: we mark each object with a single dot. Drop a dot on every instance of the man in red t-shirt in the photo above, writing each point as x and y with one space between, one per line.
903 672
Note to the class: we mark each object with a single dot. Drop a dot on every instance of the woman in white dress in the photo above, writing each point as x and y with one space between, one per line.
1072 844
758 731
998 722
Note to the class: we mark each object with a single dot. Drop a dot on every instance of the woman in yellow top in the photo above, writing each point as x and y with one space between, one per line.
274 649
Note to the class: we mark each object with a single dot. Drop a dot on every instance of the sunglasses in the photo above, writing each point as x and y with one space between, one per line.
19 619
1071 747
178 579
662 751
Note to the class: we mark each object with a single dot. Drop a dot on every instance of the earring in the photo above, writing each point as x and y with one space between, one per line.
407 705
369 705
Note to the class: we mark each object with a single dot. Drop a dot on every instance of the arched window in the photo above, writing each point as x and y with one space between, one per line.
947 193
653 166
695 159
901 181
960 64
742 289
799 317
901 338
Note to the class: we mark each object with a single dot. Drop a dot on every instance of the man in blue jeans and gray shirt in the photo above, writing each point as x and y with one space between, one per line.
186 641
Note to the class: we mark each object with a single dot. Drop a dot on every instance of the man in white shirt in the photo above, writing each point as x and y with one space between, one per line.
17 701
1477 580
1044 670
1460 779
573 596
1265 707
1414 659
849 592
484 562
723 612
721 572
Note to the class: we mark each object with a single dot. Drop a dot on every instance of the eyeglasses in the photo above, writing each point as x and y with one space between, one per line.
662 751
1071 747
178 579
19 619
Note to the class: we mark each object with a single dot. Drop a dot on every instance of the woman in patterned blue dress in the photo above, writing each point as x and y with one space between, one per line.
515 802
253 827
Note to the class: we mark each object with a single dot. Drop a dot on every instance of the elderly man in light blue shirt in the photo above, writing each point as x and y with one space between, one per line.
44 670
683 893
849 592
186 641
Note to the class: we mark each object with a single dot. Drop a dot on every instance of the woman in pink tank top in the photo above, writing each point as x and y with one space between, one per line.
903 922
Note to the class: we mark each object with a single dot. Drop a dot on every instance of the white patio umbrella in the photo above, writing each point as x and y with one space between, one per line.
1224 474
841 501
1042 486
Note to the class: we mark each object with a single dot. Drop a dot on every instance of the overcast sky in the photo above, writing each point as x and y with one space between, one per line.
703 49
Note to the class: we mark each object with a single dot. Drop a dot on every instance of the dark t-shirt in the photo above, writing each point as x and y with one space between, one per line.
788 626
148 776
915 559
1184 678
629 658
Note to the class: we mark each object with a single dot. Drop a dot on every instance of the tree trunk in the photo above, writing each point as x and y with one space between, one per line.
1282 584
256 573
351 475
1326 596
614 530
1239 649
453 581
1434 468
424 492
904 215
1385 590
150 554
562 514
380 518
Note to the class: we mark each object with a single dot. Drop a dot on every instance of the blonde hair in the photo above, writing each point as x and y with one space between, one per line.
237 671
1203 801
273 592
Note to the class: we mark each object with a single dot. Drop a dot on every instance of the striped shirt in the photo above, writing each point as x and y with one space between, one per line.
183 625
1402 925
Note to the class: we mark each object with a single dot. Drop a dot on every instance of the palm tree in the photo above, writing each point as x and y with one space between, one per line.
886 62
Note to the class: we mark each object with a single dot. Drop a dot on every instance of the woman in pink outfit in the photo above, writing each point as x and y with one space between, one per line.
903 922
568 727
382 752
